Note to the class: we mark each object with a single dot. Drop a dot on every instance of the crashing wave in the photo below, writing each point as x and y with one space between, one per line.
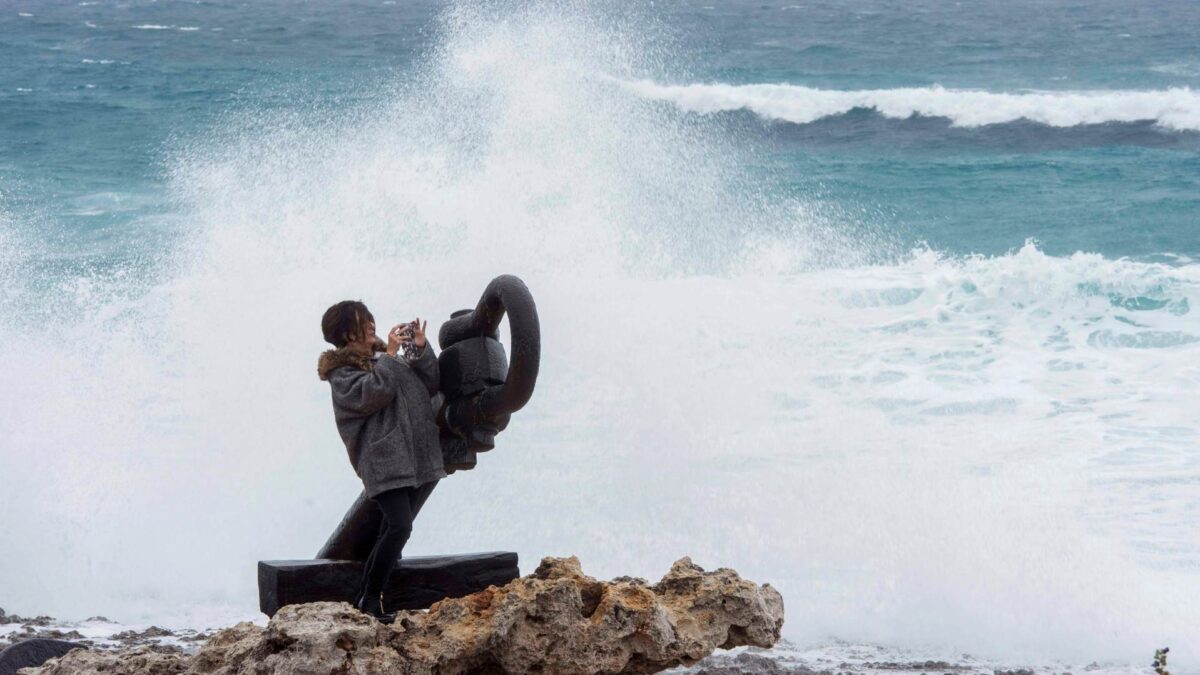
1177 108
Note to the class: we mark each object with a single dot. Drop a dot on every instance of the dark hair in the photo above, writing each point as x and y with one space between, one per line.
344 321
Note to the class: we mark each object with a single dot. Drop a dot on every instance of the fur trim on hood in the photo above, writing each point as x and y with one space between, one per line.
344 356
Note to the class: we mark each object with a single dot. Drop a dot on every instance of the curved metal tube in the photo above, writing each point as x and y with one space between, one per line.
506 293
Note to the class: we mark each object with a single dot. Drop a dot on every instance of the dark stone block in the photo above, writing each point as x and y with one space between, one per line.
33 652
416 583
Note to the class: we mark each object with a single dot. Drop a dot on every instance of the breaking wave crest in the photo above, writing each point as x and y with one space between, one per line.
1177 108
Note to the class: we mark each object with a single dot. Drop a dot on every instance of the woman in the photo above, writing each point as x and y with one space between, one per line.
381 403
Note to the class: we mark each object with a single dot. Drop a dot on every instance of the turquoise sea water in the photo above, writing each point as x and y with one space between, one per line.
93 94
889 304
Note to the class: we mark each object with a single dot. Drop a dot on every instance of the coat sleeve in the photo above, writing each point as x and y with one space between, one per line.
363 392
426 368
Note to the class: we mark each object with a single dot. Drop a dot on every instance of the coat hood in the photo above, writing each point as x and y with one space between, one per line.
344 356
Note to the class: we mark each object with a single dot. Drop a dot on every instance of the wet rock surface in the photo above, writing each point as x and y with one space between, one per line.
96 632
556 620
31 653
748 663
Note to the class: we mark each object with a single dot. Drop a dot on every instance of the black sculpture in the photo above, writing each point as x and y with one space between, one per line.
481 391
479 394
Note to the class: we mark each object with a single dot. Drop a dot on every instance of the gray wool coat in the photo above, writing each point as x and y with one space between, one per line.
384 411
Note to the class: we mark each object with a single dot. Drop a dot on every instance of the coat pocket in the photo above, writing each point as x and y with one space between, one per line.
389 458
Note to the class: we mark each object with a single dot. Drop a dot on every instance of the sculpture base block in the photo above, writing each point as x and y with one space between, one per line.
416 582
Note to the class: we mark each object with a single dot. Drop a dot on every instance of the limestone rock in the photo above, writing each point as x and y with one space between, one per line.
555 621
137 661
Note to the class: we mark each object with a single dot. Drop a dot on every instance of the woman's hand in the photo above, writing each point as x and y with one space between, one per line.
419 332
396 339
402 334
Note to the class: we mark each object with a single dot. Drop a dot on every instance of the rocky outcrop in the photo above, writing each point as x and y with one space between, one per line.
556 620
33 652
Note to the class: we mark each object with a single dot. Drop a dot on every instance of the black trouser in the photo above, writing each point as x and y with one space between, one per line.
399 507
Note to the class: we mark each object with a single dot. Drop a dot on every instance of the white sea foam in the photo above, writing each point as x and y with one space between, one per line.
152 26
989 454
873 659
1177 108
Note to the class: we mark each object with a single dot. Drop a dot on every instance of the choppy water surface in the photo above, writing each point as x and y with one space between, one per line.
891 306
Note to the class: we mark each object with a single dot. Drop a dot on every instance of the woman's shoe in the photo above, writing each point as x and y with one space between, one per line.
375 609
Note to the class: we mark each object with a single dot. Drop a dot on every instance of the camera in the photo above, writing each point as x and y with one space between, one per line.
411 351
